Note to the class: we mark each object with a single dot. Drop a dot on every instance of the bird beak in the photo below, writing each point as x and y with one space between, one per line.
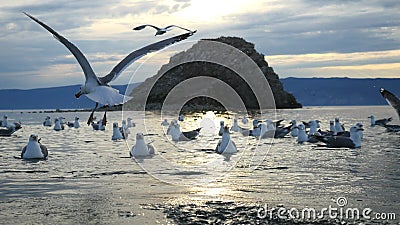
360 129
77 95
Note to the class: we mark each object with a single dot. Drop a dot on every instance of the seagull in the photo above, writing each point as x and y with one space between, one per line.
141 148
380 122
177 135
226 145
74 124
235 126
125 128
34 149
303 136
47 122
338 126
11 126
294 129
117 134
130 124
160 31
97 88
57 125
354 141
164 123
222 127
392 99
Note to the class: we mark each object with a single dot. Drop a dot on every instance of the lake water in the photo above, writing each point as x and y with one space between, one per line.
90 179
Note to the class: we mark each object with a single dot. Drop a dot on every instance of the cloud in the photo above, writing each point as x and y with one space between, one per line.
299 37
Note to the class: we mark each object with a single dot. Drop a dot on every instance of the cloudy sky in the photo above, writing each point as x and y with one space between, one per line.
299 38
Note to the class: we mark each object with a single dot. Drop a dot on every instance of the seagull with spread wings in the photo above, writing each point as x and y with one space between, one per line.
160 31
97 88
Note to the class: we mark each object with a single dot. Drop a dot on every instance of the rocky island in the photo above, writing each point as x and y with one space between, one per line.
151 94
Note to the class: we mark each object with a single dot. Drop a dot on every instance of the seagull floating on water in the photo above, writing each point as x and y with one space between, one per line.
117 134
164 123
47 122
226 145
9 125
380 122
97 88
177 135
160 31
235 126
294 132
34 150
354 141
130 124
338 126
57 125
141 148
74 124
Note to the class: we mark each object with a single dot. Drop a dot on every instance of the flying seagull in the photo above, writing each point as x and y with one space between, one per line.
97 88
392 99
160 31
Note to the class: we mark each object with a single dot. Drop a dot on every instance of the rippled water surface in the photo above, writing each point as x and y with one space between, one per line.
88 178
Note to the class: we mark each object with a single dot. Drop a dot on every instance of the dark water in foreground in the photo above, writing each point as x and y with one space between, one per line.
89 179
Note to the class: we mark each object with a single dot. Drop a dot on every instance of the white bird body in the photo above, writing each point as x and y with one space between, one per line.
332 127
313 127
338 125
76 122
235 126
226 145
116 133
294 132
47 122
141 148
360 130
34 150
130 124
57 125
302 137
125 127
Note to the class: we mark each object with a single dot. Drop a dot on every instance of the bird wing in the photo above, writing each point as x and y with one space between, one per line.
392 99
83 62
23 152
135 55
141 27
177 27
44 150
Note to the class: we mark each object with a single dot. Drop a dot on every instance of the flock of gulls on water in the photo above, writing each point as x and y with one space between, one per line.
336 137
98 89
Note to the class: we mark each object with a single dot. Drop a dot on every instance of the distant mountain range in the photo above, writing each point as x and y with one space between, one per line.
340 91
48 98
308 91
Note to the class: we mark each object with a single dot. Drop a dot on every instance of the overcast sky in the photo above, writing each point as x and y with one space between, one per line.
299 38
